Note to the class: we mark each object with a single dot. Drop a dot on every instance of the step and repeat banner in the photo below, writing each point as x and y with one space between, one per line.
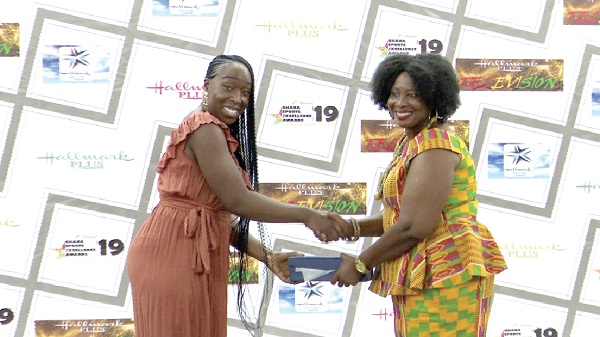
90 91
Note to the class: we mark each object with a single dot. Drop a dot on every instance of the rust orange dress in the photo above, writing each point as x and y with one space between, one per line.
178 261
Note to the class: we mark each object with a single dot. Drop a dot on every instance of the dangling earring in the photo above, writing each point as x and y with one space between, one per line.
431 121
205 100
438 118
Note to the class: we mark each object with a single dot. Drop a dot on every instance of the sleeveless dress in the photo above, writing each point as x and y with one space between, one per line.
459 257
178 261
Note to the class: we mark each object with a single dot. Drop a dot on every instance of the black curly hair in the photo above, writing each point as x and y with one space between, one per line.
434 78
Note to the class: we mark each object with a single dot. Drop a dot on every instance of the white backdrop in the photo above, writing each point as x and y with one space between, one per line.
79 148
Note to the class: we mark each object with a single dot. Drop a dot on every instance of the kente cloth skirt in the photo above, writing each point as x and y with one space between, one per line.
460 311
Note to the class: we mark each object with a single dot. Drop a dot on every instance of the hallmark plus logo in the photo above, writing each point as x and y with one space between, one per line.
184 90
588 186
308 189
84 161
293 28
89 326
528 251
506 65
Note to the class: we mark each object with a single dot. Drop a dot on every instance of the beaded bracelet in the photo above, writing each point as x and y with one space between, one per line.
356 231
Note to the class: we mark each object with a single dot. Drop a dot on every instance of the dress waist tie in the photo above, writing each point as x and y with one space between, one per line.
198 227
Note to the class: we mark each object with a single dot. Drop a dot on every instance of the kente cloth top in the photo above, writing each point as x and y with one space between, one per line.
198 198
459 248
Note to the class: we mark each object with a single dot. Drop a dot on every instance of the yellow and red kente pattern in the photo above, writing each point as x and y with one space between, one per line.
445 312
459 249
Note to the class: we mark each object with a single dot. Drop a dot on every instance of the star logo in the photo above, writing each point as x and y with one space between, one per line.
384 50
77 58
520 154
278 117
61 251
311 289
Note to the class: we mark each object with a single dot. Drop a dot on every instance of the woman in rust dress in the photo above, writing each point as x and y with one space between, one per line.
178 262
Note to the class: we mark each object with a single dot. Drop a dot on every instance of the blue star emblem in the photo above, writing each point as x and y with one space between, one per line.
77 57
520 154
312 289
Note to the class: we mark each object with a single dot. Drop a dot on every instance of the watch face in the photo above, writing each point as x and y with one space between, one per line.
360 266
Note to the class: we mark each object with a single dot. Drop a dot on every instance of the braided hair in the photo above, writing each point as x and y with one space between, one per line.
245 133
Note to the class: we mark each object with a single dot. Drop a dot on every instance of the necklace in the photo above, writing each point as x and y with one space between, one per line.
396 158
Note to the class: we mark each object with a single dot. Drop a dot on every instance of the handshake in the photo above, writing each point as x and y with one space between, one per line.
330 226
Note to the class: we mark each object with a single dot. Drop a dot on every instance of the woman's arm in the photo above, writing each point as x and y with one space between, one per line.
209 147
371 226
426 190
277 262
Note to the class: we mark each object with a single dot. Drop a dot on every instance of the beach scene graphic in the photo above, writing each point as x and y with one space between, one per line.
518 160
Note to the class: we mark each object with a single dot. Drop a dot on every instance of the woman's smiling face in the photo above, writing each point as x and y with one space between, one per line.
406 107
228 93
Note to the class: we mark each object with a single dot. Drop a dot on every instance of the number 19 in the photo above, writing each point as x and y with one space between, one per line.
549 332
435 46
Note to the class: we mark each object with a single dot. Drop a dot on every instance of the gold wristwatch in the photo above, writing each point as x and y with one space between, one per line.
360 266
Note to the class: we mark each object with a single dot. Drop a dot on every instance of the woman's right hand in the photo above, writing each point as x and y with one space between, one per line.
328 226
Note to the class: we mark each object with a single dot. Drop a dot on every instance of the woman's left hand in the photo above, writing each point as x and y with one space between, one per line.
346 275
278 264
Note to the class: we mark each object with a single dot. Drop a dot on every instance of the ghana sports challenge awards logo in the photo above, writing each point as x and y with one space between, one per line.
524 330
410 45
299 112
89 246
